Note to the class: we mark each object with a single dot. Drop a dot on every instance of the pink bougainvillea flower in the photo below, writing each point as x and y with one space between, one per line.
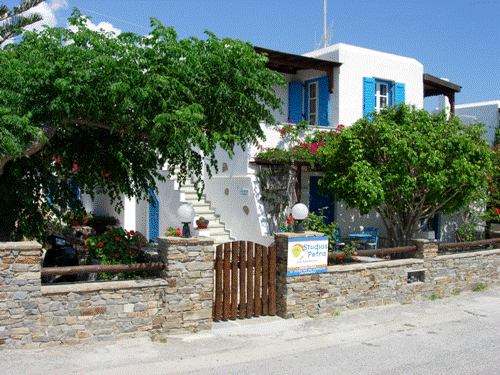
75 168
289 121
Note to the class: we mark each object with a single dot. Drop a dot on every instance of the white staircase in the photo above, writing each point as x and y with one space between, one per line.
201 207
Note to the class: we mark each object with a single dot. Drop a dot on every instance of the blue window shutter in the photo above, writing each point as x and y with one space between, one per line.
154 216
323 102
399 93
368 95
295 101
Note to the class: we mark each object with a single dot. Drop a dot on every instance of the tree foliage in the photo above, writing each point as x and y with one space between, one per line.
408 165
106 111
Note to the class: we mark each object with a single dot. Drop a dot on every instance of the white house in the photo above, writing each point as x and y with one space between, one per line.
328 87
487 113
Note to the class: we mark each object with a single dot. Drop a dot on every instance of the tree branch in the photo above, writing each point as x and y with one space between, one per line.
46 133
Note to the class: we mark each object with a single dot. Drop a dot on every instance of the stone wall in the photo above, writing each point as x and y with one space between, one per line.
33 315
20 291
361 285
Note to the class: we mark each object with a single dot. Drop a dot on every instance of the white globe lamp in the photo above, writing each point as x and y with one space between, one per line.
185 213
299 213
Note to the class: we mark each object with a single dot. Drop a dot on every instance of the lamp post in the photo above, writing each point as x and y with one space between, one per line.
185 213
299 212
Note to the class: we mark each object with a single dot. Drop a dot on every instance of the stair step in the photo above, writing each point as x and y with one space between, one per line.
201 207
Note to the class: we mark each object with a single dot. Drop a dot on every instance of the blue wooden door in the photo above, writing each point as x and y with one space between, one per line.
318 201
154 216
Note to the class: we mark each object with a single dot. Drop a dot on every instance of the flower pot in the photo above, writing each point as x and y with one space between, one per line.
202 224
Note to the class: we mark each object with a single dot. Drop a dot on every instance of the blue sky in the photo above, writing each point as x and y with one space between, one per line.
458 40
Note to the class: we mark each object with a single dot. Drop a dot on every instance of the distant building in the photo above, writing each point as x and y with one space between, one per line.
487 113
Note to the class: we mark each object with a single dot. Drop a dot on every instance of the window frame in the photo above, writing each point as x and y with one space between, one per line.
316 102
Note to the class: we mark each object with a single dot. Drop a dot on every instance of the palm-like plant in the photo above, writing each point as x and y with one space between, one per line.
12 21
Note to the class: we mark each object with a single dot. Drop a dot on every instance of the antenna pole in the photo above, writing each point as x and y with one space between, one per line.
324 24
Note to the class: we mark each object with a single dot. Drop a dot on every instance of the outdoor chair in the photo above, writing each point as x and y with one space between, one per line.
371 240
337 238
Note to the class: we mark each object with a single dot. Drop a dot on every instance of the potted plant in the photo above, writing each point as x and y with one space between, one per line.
101 223
202 223
76 218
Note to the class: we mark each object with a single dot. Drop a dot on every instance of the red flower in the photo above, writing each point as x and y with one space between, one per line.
75 168
178 232
289 220
497 211
117 238
85 245
355 259
130 252
117 255
289 121
139 245
339 258
101 244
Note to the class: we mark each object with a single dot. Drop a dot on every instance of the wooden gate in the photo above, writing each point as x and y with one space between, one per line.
245 280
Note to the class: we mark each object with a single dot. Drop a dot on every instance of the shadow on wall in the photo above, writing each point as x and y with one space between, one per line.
351 221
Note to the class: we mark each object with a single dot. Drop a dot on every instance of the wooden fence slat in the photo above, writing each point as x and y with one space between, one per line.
243 267
250 269
227 280
218 283
257 285
272 280
265 280
234 280
245 280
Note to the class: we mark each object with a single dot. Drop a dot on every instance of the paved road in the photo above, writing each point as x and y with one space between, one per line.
456 335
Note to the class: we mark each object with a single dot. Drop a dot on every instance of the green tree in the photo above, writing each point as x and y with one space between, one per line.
12 21
408 165
106 111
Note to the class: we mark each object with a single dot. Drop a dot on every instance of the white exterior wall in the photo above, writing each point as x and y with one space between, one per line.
357 62
486 113
237 201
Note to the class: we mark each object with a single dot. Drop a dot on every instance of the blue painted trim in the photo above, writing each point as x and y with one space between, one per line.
399 93
295 94
368 95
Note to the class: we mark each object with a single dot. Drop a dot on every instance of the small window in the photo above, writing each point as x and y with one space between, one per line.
313 103
381 95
